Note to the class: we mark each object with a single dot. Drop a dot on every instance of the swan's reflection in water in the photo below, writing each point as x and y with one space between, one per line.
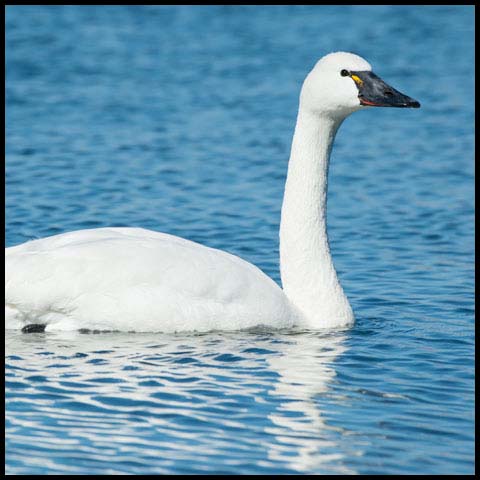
306 368
247 402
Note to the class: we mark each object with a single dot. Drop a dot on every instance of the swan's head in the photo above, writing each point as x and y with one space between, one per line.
341 83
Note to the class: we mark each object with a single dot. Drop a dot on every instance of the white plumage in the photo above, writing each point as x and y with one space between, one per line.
136 279
132 279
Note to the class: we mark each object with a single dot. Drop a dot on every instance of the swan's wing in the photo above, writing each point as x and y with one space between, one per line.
136 279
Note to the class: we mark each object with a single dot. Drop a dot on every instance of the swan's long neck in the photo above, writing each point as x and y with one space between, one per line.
308 275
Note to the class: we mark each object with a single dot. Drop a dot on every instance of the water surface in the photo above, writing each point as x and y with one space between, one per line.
180 119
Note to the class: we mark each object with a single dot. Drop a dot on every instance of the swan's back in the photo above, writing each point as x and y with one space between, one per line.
139 280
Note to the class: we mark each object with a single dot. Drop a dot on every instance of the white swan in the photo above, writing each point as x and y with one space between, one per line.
132 279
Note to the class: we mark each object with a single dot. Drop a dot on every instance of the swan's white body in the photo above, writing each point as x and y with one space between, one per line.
133 279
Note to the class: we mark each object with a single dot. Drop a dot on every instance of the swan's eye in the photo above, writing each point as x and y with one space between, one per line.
344 73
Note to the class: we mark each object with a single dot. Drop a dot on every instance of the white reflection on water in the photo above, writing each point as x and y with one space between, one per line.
201 400
306 368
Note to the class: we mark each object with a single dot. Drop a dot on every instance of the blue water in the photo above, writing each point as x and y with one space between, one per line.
180 119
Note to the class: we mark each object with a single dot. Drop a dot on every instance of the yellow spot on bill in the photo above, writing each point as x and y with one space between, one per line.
357 79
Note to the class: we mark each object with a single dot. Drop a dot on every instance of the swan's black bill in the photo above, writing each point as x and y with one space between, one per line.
374 92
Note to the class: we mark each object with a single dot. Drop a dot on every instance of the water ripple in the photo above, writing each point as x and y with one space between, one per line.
180 119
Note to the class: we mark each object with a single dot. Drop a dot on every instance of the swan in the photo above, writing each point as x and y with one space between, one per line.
133 279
